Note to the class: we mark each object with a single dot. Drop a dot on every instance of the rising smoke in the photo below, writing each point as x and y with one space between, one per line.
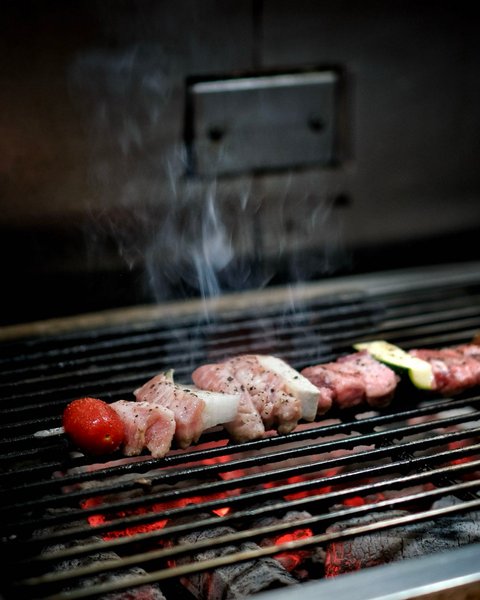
172 227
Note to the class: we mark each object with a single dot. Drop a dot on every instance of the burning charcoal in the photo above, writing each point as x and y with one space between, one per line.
410 541
292 560
364 551
143 592
237 581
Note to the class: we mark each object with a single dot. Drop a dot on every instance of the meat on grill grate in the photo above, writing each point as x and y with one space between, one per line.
60 507
353 380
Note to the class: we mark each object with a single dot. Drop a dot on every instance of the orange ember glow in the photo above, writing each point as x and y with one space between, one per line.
292 560
221 512
99 519
465 459
160 508
355 501
309 492
298 534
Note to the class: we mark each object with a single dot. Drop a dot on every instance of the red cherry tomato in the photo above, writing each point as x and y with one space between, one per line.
93 426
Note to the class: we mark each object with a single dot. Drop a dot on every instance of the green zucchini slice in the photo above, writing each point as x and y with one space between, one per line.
420 371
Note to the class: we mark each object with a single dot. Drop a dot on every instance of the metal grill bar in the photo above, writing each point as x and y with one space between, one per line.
365 426
350 456
310 325
203 471
198 566
256 497
325 519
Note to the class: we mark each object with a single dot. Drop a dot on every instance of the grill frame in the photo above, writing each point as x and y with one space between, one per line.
362 297
451 574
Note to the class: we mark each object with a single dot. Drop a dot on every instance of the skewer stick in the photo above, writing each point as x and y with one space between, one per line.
52 432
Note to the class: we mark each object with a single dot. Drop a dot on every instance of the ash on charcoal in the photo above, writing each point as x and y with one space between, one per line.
410 541
143 592
233 582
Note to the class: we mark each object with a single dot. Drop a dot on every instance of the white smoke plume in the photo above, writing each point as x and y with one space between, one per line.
161 222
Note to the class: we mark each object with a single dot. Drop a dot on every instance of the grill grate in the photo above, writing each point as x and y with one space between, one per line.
59 508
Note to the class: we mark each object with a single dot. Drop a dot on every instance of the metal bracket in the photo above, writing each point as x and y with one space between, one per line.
263 123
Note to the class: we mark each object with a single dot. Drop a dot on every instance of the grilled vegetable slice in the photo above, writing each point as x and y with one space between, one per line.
93 426
419 371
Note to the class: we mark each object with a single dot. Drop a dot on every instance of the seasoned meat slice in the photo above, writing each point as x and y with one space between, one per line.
194 410
354 379
186 407
379 380
346 389
273 395
455 369
247 424
146 426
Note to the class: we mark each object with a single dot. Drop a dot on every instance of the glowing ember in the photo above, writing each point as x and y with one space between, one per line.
291 560
355 501
221 512
99 519
465 459
310 492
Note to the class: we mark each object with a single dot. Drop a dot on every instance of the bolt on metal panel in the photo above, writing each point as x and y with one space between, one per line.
253 124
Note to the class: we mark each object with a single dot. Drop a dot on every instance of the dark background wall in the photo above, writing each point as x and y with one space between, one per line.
102 204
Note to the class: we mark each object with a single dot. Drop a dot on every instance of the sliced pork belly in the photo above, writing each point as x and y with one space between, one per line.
247 424
273 395
455 369
147 425
186 407
379 380
354 379
312 402
472 350
194 410
345 389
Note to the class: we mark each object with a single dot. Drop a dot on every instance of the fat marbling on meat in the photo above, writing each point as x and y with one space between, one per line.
353 380
194 410
272 394
455 369
146 426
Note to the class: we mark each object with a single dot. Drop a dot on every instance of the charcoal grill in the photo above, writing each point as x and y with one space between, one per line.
59 507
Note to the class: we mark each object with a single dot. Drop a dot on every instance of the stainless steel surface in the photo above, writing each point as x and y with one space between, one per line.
290 297
451 575
264 122
92 175
404 457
